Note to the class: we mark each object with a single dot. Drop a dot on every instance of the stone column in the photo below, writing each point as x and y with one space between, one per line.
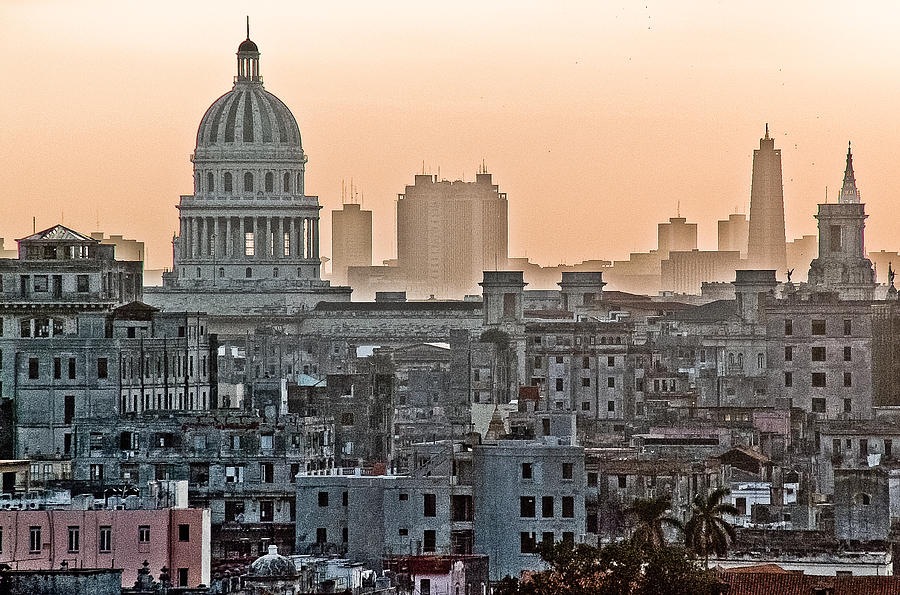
290 232
194 243
315 245
229 240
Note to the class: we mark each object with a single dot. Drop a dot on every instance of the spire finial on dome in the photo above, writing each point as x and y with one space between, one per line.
248 26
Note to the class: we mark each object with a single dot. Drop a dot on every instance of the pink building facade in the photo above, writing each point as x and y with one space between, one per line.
178 539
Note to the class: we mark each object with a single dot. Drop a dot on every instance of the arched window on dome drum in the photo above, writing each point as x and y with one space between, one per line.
227 182
287 182
299 183
248 182
270 182
210 182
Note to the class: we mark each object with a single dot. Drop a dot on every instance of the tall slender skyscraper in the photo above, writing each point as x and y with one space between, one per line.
766 245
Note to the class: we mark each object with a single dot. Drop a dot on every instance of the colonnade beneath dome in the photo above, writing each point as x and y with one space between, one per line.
249 237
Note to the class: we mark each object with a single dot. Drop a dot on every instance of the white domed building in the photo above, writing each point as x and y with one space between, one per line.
249 234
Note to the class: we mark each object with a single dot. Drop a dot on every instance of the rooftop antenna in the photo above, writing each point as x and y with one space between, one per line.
826 193
678 209
767 130
34 225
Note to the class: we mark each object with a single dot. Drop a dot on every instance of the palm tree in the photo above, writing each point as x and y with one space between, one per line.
651 518
707 531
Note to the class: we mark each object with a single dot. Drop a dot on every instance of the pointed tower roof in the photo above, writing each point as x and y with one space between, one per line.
849 192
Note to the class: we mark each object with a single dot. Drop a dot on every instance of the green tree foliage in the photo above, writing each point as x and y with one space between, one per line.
625 568
707 532
651 518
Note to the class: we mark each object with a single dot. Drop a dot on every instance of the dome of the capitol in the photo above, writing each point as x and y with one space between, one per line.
248 116
273 565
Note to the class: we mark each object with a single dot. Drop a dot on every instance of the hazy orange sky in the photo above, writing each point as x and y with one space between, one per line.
595 118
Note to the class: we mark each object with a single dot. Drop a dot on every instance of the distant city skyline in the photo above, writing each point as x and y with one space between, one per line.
598 121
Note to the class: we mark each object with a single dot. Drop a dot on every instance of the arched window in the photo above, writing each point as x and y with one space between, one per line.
730 359
270 182
221 271
210 182
275 272
248 273
741 360
299 183
227 181
248 182
287 182
198 273
760 361
863 499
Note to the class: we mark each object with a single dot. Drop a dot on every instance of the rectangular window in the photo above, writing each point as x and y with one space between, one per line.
287 244
547 507
836 446
234 474
547 538
848 354
611 406
818 327
526 471
788 326
266 441
848 406
585 363
429 540
610 361
592 480
568 507
182 577
788 354
538 362
788 379
71 368
527 543
144 534
568 537
74 540
818 379
848 379
526 507
567 470
184 532
834 235
249 244
102 367
82 284
33 370
818 354
323 499
818 405
35 543
266 473
610 382
585 382
266 511
425 584
57 368
623 481
559 385
888 448
848 327
321 535
430 505
586 406
105 540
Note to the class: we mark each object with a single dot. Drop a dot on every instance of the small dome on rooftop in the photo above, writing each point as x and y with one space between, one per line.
273 565
247 46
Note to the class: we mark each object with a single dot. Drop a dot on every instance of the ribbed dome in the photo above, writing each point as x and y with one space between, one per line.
248 114
273 565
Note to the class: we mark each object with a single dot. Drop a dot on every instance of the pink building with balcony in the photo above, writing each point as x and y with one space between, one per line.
178 539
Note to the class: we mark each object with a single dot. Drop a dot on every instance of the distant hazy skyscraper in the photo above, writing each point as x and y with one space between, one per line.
733 233
448 233
766 245
676 235
351 240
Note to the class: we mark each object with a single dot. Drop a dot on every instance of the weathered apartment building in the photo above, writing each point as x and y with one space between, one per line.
500 499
